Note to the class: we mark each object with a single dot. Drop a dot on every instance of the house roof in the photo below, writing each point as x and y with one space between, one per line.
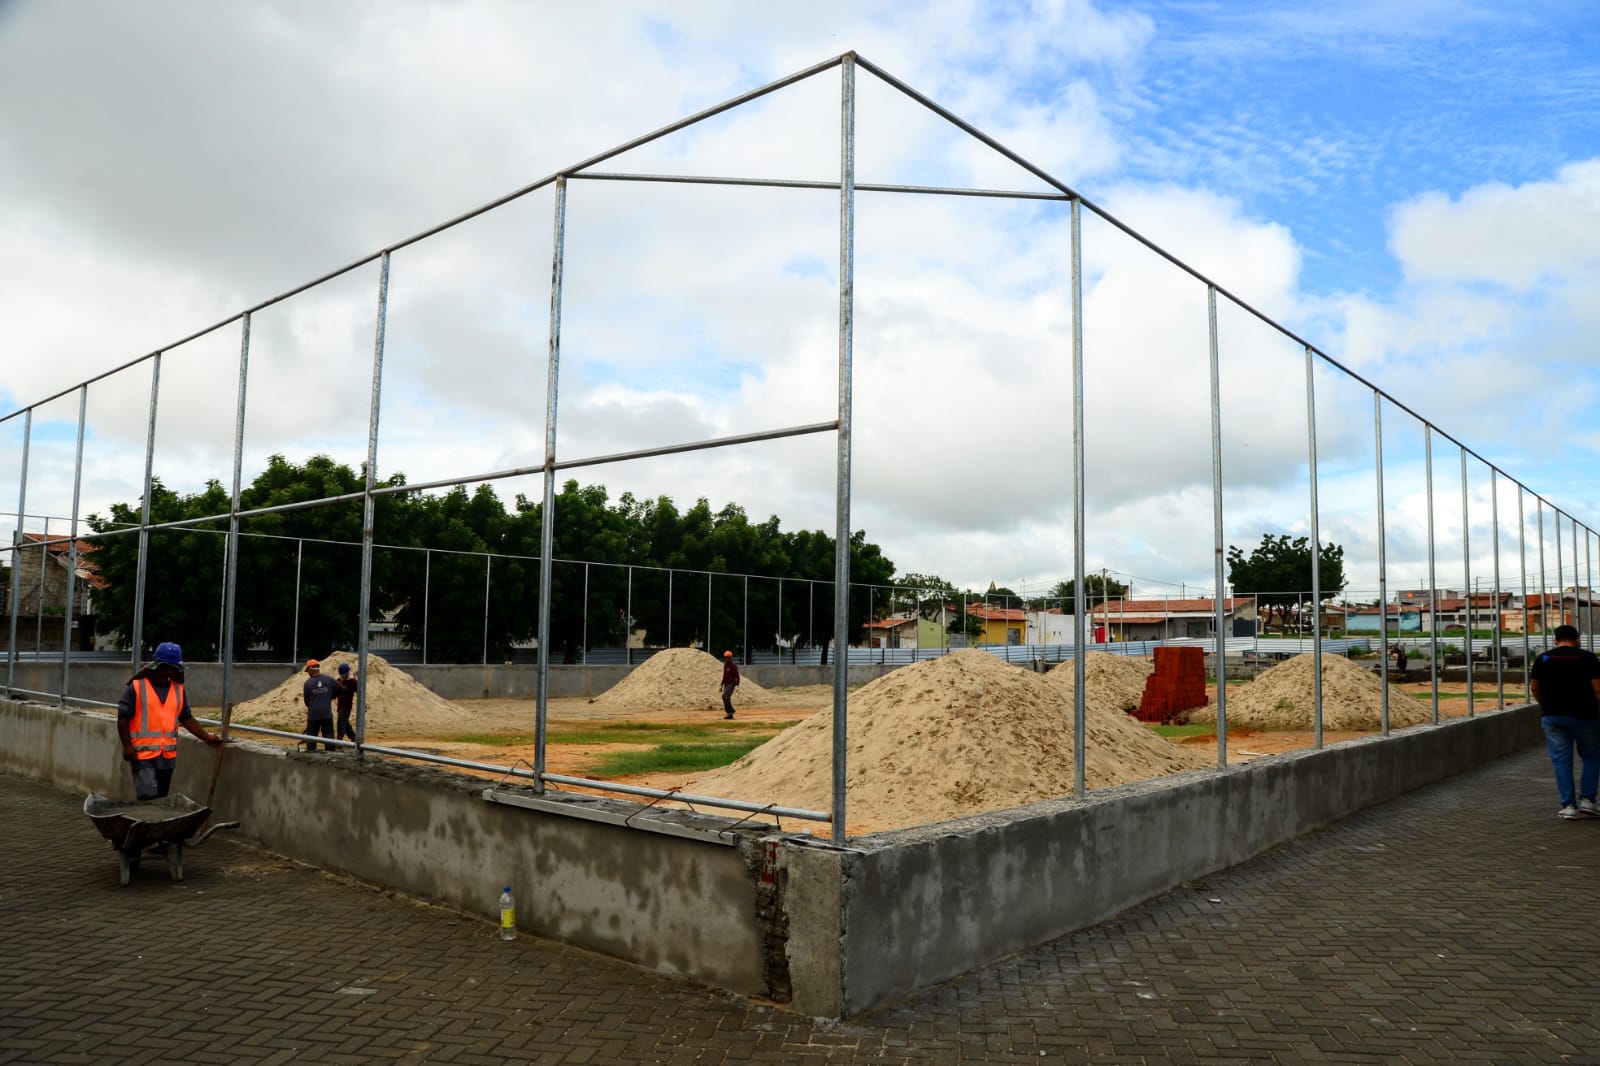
997 614
60 549
1115 609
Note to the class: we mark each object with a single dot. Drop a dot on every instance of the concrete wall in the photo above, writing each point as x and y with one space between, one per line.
921 906
102 682
834 930
681 906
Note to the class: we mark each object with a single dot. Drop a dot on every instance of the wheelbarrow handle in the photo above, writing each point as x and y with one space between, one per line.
201 839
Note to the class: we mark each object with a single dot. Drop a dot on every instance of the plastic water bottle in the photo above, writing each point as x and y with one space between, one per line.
508 915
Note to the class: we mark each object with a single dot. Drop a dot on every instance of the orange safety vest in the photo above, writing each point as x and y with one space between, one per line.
154 728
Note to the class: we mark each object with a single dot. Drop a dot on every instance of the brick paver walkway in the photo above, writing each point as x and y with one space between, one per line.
1454 925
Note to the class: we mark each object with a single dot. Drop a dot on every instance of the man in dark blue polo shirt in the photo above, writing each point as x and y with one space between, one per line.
1566 682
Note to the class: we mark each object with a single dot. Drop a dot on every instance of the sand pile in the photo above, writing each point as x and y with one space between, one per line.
679 679
943 738
1114 680
397 703
1283 698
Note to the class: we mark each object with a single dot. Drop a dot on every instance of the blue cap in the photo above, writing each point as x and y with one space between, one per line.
344 668
169 653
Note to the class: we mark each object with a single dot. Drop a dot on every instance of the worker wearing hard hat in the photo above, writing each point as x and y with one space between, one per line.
730 681
149 713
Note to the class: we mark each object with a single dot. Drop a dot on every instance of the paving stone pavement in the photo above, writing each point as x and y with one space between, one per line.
1454 925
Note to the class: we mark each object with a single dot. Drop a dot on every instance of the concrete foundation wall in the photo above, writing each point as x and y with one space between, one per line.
920 906
834 930
681 906
102 682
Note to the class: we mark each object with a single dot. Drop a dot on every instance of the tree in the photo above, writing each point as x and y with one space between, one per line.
1278 572
1097 588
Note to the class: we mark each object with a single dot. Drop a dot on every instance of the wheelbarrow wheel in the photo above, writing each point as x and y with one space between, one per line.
175 862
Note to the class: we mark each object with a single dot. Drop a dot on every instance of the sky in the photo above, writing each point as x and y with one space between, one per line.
1413 190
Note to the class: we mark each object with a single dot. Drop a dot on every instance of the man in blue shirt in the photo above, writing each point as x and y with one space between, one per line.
1566 683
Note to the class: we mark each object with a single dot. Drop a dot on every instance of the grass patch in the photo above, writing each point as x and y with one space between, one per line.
1193 729
632 733
679 758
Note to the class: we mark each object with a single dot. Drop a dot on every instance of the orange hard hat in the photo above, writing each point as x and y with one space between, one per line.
727 655
312 664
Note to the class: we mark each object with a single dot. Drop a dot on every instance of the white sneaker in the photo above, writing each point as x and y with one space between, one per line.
1587 808
1568 811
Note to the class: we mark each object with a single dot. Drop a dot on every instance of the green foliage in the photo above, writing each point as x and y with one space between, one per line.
475 541
1097 588
1278 571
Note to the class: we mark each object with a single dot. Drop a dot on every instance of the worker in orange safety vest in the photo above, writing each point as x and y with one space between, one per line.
148 716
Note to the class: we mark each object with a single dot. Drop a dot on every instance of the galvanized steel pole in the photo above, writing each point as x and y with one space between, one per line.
368 503
1561 585
1544 586
841 557
16 550
1494 546
230 570
1383 566
1522 564
1466 577
1316 549
1218 548
1433 579
72 543
547 522
1080 630
294 634
143 566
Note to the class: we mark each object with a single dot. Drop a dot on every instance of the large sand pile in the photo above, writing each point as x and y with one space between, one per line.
1283 698
943 738
679 679
1114 680
397 703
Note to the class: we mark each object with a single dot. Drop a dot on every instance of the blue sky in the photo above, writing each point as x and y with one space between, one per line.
1414 188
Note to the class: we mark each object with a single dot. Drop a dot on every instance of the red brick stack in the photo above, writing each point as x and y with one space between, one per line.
1178 685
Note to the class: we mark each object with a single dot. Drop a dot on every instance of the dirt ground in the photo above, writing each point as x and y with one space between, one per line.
481 734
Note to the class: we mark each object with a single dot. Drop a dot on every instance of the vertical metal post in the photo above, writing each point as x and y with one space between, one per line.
1561 585
299 564
72 542
627 621
584 643
427 595
1494 547
38 600
1466 577
1316 549
1080 599
780 618
744 650
841 553
1218 548
708 611
1433 579
669 608
369 504
547 518
16 550
142 569
1544 585
1522 564
1383 565
1589 588
1577 615
488 570
230 577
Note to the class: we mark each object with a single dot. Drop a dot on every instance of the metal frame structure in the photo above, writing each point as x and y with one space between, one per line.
561 182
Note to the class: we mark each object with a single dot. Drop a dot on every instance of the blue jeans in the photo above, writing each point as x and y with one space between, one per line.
1562 734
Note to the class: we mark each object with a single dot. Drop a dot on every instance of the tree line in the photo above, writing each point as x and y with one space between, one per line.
476 539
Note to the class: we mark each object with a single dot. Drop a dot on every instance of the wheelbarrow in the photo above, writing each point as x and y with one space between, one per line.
165 824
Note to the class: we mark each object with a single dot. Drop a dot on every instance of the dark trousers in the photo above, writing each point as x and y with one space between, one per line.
345 730
149 780
727 700
316 727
